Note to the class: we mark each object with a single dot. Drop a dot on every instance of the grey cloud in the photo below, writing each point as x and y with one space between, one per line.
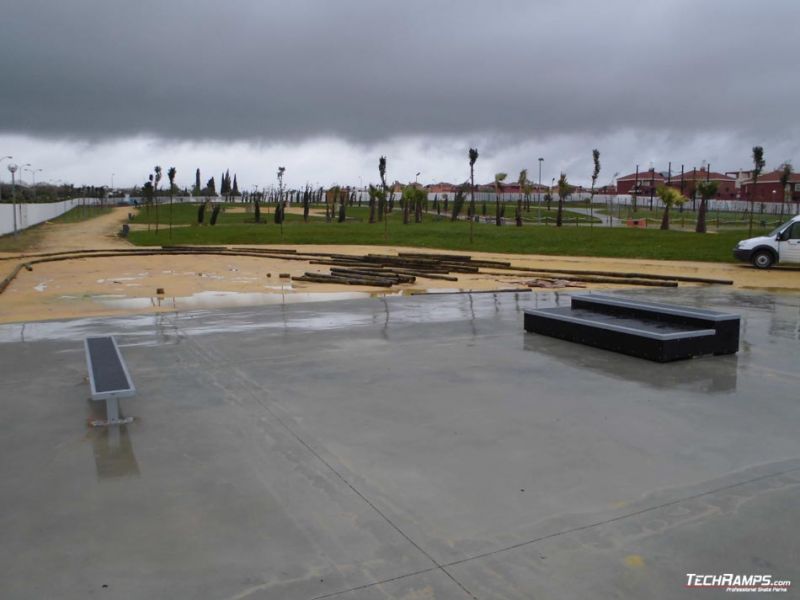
365 70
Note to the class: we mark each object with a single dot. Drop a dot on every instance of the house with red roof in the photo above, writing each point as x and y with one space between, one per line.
642 183
687 183
770 189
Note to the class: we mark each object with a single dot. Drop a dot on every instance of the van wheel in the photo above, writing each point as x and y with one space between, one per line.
763 259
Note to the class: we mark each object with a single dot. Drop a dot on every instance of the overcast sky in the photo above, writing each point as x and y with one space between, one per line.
324 87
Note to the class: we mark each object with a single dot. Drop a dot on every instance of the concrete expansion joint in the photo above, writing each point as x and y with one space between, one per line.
257 392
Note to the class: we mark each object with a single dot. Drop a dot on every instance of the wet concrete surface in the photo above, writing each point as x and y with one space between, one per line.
422 447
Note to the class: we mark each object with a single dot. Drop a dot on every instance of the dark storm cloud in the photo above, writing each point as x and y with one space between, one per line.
364 69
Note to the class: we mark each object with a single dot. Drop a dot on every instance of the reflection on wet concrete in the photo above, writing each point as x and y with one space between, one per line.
472 436
219 299
712 374
113 452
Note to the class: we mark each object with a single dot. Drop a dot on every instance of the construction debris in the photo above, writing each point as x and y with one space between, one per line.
382 270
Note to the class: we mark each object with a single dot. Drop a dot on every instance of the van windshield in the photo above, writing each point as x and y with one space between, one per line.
778 229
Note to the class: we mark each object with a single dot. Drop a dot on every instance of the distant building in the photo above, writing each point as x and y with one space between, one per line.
643 183
687 183
442 188
769 187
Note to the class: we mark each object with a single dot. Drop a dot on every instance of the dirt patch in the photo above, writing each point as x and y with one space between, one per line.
98 232
128 284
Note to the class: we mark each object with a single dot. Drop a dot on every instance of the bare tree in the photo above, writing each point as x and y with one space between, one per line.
595 174
758 166
156 180
383 206
564 189
499 178
523 186
279 207
171 173
786 175
473 156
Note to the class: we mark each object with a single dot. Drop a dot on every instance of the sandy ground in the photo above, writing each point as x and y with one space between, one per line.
108 286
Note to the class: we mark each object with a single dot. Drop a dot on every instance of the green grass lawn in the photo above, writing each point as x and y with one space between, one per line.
734 220
444 234
22 242
186 214
82 213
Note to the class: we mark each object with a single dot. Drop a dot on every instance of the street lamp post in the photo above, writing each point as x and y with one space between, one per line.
21 169
33 180
539 193
13 169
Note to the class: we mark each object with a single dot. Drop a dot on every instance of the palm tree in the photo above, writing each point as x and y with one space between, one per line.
155 191
563 192
670 197
758 166
171 174
473 156
499 178
786 174
523 186
595 174
707 189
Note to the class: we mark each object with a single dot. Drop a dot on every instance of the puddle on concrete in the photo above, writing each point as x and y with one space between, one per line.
212 299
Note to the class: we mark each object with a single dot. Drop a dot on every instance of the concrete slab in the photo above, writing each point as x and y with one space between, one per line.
421 447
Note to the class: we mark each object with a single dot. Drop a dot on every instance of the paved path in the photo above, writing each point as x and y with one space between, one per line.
615 222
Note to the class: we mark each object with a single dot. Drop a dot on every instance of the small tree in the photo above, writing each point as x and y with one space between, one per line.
306 202
458 203
279 207
523 186
373 197
197 188
408 200
758 166
156 181
171 175
670 197
215 214
707 190
786 175
499 178
473 157
147 190
595 174
382 206
564 190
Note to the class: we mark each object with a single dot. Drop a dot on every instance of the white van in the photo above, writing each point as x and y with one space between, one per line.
781 245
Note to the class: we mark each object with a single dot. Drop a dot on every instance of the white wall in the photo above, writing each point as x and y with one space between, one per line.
34 213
